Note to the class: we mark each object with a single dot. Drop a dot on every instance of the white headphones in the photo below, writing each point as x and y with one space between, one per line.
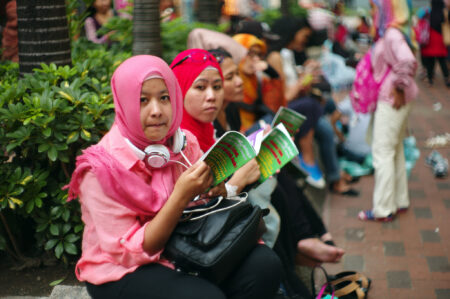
157 155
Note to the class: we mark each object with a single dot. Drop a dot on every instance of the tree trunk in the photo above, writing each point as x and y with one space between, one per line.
285 7
43 34
208 11
146 28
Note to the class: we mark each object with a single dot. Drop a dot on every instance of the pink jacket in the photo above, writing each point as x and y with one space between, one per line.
114 234
393 51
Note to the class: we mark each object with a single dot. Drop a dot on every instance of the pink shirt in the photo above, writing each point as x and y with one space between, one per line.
393 51
113 234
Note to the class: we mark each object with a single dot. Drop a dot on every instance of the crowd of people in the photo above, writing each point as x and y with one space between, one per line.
238 82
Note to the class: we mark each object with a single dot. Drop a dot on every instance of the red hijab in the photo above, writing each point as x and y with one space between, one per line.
187 66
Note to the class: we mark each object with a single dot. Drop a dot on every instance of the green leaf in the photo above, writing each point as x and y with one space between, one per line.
56 282
70 248
78 228
26 180
73 137
17 191
47 132
38 202
54 229
2 243
12 146
17 174
59 249
41 227
50 244
66 215
71 238
52 153
30 206
66 227
86 135
55 212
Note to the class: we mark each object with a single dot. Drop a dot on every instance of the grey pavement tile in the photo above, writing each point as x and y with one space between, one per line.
353 262
430 236
438 264
352 212
398 279
442 293
394 224
413 177
69 292
417 193
394 249
422 212
447 203
443 186
354 234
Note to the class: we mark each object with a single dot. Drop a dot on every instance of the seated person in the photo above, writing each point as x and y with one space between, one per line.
354 146
130 205
100 13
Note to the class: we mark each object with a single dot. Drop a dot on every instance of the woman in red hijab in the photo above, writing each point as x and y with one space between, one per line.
201 82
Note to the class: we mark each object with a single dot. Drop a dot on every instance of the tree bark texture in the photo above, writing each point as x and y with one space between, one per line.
208 11
284 7
146 28
43 34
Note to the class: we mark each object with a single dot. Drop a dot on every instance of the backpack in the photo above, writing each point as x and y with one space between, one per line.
364 93
422 31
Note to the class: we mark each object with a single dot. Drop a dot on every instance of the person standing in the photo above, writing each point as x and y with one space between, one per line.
393 53
436 49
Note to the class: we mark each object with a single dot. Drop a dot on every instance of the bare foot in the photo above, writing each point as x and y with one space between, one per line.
341 186
316 249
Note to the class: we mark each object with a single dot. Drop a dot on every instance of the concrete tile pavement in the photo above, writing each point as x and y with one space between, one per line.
408 258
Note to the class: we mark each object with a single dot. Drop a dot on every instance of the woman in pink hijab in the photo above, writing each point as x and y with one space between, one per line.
133 186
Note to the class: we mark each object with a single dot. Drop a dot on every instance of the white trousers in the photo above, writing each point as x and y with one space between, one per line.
391 183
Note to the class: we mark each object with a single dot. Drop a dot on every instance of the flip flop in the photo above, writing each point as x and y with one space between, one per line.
350 192
369 216
329 242
401 210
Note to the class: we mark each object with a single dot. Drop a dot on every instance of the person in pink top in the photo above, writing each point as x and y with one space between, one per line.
393 53
133 187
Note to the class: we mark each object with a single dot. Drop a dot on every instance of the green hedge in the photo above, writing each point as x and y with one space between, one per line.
46 119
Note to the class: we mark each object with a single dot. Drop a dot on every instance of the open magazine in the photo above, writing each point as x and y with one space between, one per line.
233 150
291 119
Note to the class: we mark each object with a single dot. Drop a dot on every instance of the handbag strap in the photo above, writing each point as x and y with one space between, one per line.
325 287
353 277
241 198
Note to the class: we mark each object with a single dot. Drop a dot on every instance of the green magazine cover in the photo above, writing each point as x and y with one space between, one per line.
291 119
277 149
233 150
228 154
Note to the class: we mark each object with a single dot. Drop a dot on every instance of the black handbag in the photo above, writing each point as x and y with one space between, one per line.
213 244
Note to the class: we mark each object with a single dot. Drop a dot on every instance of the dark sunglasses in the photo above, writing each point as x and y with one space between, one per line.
197 57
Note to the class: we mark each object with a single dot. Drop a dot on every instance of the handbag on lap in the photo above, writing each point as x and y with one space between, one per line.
211 242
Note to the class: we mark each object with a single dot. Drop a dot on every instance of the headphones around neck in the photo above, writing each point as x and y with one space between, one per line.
158 155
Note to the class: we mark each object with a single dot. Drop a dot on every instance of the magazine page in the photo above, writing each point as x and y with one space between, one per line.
277 149
291 119
228 154
256 138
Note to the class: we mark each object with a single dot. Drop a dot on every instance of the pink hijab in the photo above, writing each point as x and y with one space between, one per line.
117 182
126 85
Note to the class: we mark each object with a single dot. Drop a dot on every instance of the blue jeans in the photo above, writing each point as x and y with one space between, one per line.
324 136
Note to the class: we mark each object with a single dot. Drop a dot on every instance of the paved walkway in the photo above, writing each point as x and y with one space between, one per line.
408 258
